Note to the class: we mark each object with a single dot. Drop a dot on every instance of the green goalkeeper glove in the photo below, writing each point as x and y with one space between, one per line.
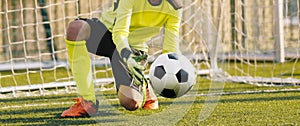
132 63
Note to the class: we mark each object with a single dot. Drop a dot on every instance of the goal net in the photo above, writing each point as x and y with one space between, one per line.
255 42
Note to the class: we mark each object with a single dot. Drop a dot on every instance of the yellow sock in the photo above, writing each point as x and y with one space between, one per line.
81 68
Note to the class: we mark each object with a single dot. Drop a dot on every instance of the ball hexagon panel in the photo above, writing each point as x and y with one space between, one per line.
182 89
157 84
182 76
171 66
159 71
169 93
170 81
173 56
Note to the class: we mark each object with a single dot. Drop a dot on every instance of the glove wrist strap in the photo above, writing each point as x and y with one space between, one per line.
125 53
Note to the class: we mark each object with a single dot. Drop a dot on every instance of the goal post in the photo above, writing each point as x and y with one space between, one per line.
279 31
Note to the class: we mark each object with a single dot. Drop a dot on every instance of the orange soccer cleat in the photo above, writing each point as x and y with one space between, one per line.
151 104
82 108
151 101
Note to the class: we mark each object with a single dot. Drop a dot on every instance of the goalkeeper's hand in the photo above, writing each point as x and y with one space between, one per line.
135 69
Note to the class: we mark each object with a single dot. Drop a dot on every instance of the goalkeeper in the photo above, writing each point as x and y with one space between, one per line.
121 34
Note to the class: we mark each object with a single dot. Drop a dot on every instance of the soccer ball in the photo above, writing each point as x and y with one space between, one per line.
172 75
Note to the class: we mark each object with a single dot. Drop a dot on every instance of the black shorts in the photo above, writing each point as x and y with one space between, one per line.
101 43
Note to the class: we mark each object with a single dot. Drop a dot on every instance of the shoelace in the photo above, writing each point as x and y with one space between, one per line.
77 100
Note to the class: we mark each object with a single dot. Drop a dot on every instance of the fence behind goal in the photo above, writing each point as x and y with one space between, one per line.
251 41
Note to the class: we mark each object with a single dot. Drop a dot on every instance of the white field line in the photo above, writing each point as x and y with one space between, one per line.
248 92
34 105
42 104
188 95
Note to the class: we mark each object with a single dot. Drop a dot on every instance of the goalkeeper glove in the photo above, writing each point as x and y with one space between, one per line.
132 62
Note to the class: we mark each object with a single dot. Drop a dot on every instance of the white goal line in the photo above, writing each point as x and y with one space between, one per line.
264 81
48 85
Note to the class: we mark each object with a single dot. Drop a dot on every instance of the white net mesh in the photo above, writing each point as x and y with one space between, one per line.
237 36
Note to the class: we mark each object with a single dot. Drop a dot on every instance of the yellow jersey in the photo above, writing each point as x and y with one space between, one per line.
134 22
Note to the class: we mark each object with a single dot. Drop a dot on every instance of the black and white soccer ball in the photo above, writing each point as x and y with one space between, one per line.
172 75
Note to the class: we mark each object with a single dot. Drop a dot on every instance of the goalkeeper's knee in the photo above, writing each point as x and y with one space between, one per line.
78 30
130 98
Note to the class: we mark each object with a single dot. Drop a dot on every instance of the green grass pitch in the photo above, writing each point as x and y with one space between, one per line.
239 104
269 108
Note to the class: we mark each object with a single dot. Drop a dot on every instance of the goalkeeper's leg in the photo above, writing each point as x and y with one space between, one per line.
131 96
77 32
